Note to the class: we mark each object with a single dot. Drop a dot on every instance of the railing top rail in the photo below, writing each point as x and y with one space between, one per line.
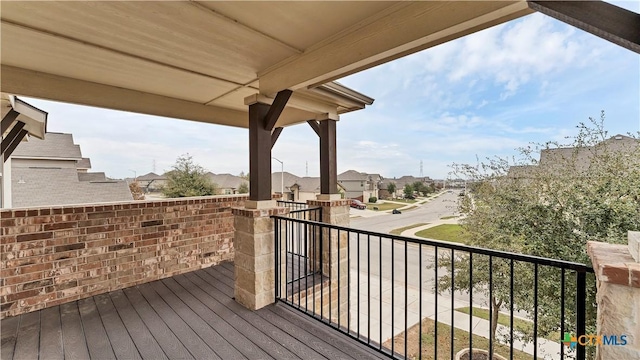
291 202
454 246
304 210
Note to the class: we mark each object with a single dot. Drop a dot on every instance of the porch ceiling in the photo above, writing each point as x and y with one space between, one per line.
199 60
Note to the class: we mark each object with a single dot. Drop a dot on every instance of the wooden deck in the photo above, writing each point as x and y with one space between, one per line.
189 316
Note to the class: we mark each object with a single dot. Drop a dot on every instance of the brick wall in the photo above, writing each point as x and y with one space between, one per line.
55 255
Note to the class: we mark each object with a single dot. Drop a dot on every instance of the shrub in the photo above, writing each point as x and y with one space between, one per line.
373 199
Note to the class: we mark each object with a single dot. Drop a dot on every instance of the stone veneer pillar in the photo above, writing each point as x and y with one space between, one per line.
617 269
335 211
254 258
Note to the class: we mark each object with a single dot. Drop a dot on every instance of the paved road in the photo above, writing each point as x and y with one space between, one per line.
444 205
377 256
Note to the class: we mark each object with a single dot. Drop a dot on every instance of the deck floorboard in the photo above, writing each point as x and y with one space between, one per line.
188 316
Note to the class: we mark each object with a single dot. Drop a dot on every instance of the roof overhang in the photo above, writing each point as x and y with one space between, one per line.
34 119
200 60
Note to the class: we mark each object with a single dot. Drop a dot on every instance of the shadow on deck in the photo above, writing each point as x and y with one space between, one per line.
189 316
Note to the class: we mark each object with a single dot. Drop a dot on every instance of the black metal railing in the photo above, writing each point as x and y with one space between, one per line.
298 241
408 297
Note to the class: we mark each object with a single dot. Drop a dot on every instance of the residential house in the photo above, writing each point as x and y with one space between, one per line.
151 182
299 189
53 172
557 158
227 184
360 186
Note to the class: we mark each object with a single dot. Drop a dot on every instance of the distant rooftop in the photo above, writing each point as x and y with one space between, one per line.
56 146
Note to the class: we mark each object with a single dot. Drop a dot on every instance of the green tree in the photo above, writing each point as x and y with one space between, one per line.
187 179
408 191
419 187
243 188
391 188
589 191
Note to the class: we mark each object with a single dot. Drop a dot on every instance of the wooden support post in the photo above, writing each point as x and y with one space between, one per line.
314 125
7 120
328 163
608 21
14 144
275 135
13 134
259 154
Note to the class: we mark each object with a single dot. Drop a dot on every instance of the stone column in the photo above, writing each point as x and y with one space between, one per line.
617 269
332 254
254 239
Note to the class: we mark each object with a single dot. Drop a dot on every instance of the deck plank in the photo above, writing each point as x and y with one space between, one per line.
236 319
51 333
74 342
139 332
225 284
189 338
167 340
9 331
94 332
300 348
124 347
233 343
187 316
28 337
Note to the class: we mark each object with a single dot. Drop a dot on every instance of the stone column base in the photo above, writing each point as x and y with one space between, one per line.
618 297
331 254
254 259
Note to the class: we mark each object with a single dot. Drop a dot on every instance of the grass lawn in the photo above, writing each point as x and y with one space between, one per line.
446 232
406 201
399 231
384 206
461 341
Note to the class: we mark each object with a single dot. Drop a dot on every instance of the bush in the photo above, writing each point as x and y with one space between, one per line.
373 199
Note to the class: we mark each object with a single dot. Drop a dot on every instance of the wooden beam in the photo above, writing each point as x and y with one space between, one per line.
400 30
11 136
276 109
314 125
31 83
328 158
14 144
275 135
259 154
610 22
7 120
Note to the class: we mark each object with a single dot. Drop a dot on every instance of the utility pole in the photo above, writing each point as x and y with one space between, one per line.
281 176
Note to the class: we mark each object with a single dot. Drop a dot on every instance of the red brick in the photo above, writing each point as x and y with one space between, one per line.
34 236
60 225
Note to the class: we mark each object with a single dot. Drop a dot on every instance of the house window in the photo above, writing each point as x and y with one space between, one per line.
361 183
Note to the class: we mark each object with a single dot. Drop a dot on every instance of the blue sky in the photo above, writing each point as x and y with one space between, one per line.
530 80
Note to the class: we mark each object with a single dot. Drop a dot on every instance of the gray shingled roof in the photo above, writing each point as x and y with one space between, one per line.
92 176
151 176
581 157
54 146
226 181
289 179
84 163
309 184
60 186
352 175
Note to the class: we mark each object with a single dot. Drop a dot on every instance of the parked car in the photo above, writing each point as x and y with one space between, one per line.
396 211
358 204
